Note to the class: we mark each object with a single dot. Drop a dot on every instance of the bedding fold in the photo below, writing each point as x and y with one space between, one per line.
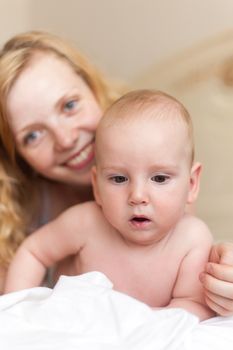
84 312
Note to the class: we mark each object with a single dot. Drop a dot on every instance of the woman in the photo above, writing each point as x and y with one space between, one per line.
51 100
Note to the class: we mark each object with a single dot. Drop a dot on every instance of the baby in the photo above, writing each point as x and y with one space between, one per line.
137 232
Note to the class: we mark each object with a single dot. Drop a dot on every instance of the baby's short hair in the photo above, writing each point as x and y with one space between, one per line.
147 103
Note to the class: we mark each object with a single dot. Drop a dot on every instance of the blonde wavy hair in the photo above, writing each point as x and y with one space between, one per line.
17 179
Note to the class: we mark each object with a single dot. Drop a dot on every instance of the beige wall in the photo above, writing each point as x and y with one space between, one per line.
14 17
124 37
202 78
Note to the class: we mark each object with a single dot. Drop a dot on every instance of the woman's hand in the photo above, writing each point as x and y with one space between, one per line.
217 279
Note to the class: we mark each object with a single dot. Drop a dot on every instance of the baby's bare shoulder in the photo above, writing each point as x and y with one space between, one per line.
194 229
84 214
87 209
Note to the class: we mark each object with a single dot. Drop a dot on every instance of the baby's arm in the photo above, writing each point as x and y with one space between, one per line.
53 242
188 291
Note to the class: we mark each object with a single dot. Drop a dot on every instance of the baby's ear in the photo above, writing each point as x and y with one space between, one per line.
95 185
194 185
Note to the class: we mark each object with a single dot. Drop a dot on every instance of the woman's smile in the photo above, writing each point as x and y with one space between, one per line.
81 159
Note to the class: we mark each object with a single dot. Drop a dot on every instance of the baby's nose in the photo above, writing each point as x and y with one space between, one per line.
138 196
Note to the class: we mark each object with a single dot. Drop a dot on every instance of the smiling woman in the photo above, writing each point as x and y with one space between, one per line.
51 102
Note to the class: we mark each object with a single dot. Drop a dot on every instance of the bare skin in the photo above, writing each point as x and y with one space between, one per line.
150 233
129 266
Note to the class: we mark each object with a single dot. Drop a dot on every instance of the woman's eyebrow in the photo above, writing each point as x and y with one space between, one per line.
66 95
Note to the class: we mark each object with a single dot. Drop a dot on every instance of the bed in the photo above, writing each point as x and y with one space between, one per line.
84 312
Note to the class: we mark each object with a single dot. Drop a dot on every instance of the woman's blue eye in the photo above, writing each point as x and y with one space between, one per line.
31 137
70 105
118 179
160 178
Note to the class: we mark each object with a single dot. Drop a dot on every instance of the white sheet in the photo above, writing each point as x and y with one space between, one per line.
85 313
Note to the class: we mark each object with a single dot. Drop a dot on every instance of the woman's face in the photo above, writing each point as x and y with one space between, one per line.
53 115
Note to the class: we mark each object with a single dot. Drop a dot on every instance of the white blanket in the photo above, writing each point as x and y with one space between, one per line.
85 313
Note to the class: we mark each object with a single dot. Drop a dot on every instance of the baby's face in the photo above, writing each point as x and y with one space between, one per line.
144 177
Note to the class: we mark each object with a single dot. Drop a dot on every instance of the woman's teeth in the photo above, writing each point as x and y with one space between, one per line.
82 156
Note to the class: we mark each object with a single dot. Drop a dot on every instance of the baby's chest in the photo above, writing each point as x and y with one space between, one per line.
152 284
148 278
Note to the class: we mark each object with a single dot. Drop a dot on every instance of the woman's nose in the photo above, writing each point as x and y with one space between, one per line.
65 137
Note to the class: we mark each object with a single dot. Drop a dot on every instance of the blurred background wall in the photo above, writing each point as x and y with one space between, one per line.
124 37
184 47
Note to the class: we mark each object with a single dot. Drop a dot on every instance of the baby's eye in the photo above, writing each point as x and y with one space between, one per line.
31 137
160 178
118 179
70 105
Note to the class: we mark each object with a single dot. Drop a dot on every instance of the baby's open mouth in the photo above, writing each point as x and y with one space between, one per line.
140 222
139 219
